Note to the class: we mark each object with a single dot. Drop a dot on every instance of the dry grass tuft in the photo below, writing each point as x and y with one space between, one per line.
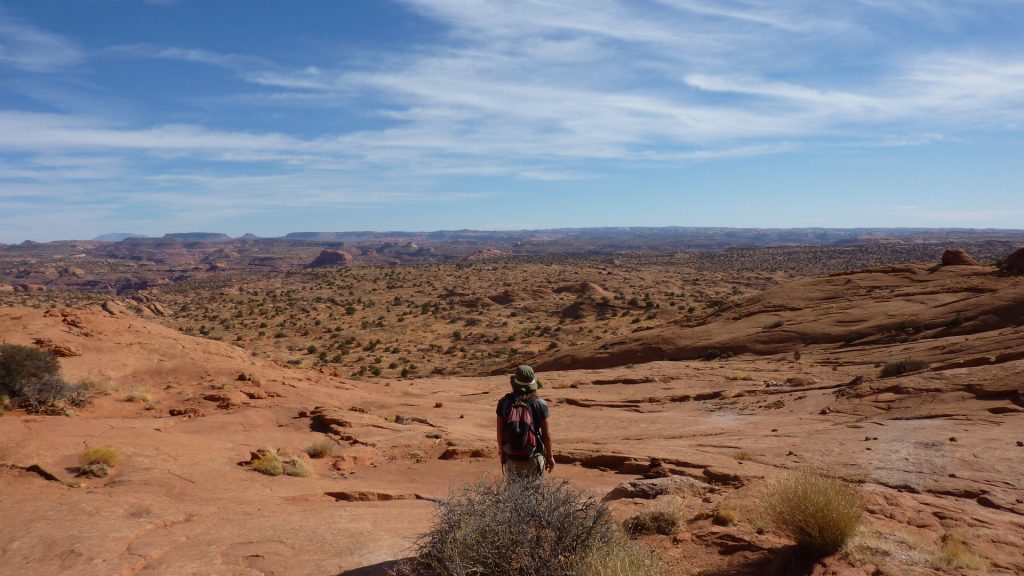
819 511
269 463
109 457
660 520
906 547
138 396
296 466
320 448
954 553
724 516
620 557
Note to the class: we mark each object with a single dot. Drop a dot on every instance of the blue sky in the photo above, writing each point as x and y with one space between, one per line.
269 117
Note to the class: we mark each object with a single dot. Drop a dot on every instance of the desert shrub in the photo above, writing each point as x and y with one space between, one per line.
23 365
817 510
51 395
520 528
321 448
31 378
661 520
296 466
104 455
902 367
268 463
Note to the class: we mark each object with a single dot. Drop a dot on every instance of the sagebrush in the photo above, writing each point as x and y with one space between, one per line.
526 527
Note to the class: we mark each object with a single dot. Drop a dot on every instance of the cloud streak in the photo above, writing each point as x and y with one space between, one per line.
25 47
538 90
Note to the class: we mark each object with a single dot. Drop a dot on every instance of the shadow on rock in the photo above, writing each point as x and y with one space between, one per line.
379 569
785 561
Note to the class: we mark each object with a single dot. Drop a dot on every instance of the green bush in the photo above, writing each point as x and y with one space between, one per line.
21 366
525 528
31 378
903 367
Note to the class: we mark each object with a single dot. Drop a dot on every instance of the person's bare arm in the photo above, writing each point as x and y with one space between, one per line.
549 461
501 430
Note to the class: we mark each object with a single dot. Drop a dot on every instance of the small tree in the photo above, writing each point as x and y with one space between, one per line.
22 367
31 378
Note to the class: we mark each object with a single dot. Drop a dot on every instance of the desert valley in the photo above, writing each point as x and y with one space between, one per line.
688 371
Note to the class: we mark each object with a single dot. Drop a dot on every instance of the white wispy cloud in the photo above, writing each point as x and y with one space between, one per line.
31 49
534 90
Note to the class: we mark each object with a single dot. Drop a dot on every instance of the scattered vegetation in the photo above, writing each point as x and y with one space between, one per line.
620 557
819 511
903 367
268 463
954 553
138 396
951 553
97 462
320 448
724 516
660 520
525 528
296 466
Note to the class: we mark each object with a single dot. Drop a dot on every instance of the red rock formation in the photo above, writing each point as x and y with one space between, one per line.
331 258
957 257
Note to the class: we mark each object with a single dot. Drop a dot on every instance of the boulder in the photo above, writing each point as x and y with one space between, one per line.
957 257
115 308
651 488
1014 263
331 258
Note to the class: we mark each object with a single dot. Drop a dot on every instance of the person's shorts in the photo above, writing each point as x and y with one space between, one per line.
525 468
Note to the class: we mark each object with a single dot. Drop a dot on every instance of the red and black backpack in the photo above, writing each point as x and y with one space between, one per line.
520 440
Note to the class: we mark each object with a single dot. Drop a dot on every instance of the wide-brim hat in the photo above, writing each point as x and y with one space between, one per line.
525 379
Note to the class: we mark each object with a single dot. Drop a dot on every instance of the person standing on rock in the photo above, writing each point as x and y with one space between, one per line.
524 437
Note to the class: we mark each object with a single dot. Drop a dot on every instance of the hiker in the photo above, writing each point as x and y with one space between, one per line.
524 438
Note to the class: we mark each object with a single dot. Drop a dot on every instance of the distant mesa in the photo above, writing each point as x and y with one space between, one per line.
199 236
1015 262
331 258
117 236
957 257
323 236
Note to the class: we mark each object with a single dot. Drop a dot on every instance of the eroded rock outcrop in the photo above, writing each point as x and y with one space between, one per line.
331 258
